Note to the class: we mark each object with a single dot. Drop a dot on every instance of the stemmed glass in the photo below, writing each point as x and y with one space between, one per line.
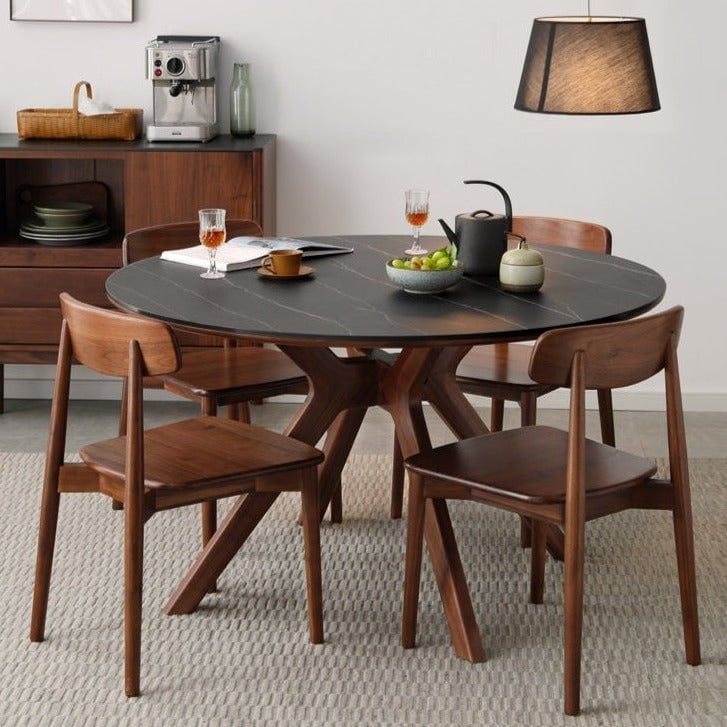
417 213
212 234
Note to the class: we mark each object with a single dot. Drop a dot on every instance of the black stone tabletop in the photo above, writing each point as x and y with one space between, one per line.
350 301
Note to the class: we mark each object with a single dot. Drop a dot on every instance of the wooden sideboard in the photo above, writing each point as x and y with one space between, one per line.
148 184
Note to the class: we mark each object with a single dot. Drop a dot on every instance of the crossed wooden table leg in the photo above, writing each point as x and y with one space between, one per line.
340 391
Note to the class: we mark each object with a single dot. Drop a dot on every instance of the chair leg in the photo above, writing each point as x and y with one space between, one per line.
337 503
44 559
239 412
397 482
605 410
497 415
526 539
209 509
684 539
413 563
528 409
573 608
528 415
312 545
537 560
115 504
133 580
122 413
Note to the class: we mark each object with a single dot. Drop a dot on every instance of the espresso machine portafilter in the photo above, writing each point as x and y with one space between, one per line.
183 71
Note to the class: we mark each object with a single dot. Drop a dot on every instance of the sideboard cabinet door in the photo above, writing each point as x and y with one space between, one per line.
163 187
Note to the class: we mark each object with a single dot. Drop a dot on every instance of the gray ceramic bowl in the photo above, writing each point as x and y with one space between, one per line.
64 214
424 281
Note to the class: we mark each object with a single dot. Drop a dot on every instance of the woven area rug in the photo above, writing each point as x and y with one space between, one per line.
243 658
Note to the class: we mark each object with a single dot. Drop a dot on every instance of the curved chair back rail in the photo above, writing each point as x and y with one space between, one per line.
614 354
564 233
100 339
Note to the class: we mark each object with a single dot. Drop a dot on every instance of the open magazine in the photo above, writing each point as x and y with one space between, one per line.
240 253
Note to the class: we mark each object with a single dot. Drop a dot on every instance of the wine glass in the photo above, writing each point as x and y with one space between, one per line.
417 213
212 234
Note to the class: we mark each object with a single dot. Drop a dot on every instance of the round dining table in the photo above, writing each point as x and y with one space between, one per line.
350 303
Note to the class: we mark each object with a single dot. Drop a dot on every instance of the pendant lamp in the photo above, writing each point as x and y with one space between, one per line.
588 65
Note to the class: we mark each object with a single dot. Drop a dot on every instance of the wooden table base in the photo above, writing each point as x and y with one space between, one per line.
340 392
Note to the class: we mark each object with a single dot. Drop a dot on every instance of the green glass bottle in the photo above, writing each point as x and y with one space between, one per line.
242 105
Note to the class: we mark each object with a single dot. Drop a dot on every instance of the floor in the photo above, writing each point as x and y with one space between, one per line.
222 664
243 657
24 426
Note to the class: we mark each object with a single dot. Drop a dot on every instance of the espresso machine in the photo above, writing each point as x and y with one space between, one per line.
183 71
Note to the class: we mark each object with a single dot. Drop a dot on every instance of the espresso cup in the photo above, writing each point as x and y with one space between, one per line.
283 262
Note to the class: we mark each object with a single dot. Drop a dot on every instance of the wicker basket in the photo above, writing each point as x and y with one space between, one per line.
70 124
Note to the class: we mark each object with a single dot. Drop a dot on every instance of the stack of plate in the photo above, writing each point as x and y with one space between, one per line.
63 224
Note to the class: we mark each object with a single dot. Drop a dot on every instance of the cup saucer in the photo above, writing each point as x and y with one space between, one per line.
304 272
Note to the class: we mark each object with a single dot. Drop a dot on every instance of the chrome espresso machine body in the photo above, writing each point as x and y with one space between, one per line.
183 71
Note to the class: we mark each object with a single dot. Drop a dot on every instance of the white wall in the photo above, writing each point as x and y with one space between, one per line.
374 96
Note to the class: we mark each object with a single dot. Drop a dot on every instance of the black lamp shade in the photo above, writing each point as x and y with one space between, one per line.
588 65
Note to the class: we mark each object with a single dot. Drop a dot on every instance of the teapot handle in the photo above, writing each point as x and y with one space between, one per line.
482 212
505 196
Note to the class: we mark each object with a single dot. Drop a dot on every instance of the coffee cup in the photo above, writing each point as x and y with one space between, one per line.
283 262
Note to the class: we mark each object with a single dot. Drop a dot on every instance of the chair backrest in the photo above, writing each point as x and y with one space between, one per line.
150 241
614 354
565 233
100 339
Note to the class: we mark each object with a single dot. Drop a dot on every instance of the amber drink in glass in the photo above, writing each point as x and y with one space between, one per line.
417 214
212 234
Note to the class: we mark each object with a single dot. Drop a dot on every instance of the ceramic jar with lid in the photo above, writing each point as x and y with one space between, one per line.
522 269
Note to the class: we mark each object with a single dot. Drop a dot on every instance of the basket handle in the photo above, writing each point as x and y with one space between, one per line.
76 90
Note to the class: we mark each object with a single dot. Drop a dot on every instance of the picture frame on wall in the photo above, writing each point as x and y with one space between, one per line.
79 11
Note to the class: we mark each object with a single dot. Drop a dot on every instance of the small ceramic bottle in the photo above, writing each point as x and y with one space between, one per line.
242 105
522 269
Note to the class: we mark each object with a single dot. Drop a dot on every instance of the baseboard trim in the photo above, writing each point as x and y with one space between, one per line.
625 400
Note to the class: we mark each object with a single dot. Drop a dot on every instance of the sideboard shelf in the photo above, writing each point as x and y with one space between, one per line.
147 183
16 252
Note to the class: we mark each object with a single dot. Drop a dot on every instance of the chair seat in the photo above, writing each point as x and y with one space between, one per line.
199 453
529 464
505 363
247 370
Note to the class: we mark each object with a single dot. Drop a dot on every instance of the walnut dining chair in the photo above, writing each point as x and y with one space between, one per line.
188 462
563 478
223 373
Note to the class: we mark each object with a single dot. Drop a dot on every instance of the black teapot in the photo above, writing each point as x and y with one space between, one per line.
481 237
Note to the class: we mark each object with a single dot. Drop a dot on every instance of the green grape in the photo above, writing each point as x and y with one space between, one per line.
428 264
397 264
407 264
443 263
416 259
438 255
